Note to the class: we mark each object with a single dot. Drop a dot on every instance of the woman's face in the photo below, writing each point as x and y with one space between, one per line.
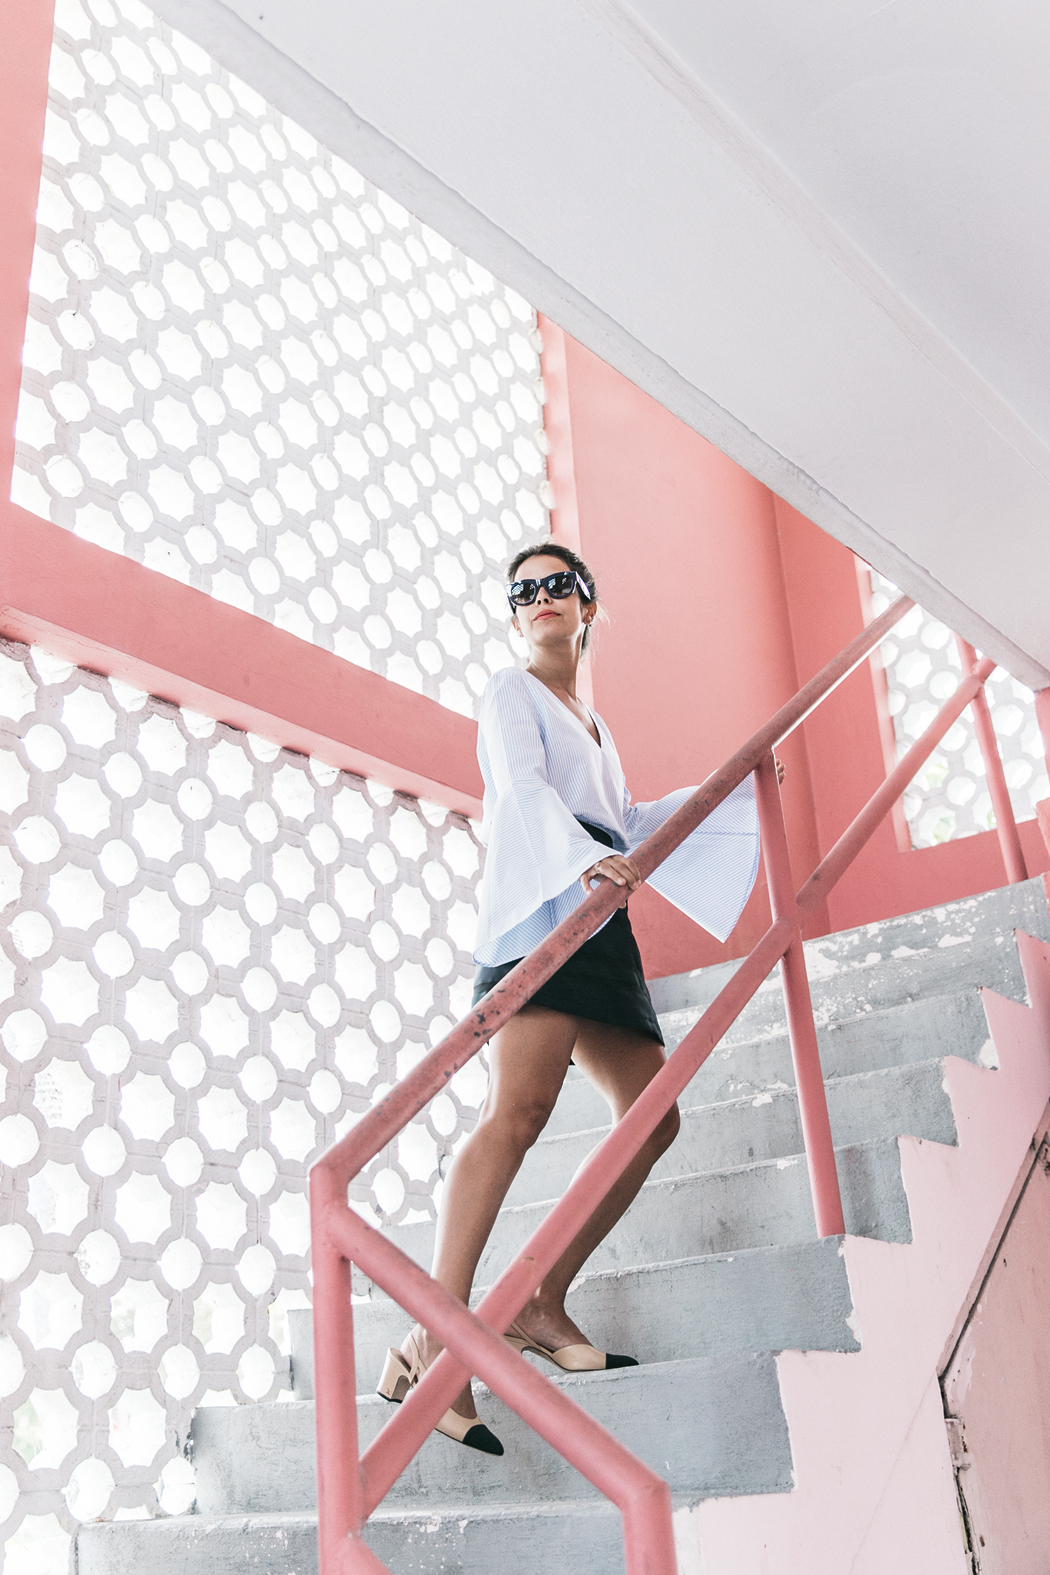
548 623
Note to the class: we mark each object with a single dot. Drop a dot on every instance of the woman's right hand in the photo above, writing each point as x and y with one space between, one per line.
613 867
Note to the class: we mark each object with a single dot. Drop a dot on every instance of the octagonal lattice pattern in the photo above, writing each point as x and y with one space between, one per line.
214 955
249 369
949 798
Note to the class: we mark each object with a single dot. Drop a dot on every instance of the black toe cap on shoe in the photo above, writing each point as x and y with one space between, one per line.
619 1361
479 1437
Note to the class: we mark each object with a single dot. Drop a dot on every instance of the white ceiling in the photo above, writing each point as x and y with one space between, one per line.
924 130
815 229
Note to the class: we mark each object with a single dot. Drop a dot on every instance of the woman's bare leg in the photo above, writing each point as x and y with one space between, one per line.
620 1063
528 1060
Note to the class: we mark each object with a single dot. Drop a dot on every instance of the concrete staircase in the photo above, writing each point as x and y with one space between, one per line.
713 1271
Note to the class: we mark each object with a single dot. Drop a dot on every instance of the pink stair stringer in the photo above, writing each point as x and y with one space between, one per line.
875 1488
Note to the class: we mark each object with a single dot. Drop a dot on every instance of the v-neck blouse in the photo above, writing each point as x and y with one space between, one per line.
543 774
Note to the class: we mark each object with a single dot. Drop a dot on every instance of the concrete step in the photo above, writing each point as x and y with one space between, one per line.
900 1036
710 1426
763 1125
764 1204
581 1538
765 1299
931 1026
935 951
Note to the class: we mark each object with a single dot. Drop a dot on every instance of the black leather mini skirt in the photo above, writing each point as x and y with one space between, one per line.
603 981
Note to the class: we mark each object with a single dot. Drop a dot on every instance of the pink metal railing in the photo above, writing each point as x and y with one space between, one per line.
351 1485
1005 825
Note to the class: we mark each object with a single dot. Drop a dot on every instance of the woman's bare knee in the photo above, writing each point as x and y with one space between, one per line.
528 1120
518 1126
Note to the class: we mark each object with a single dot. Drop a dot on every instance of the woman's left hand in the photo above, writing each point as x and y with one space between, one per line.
781 773
616 868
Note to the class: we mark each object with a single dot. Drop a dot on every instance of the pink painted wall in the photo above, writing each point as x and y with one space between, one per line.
684 544
998 1385
724 600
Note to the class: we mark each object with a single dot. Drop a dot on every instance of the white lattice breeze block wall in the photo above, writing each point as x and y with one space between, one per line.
249 369
214 955
948 798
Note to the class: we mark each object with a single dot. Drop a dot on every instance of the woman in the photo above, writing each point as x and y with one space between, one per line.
558 818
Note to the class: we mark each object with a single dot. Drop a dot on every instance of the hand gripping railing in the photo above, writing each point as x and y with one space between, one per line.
350 1486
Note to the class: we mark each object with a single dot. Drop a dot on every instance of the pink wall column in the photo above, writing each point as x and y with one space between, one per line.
1042 711
561 460
699 651
843 735
23 100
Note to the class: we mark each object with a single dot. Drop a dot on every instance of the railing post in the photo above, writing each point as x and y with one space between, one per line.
805 1052
1005 824
339 1507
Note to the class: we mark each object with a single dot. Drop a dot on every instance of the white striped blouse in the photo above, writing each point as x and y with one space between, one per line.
543 774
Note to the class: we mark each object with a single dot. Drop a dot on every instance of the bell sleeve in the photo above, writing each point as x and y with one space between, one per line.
537 850
710 875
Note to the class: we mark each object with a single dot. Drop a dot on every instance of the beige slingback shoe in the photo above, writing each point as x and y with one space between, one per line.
570 1358
400 1375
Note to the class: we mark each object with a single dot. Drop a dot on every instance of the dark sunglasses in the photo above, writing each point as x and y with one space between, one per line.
522 593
